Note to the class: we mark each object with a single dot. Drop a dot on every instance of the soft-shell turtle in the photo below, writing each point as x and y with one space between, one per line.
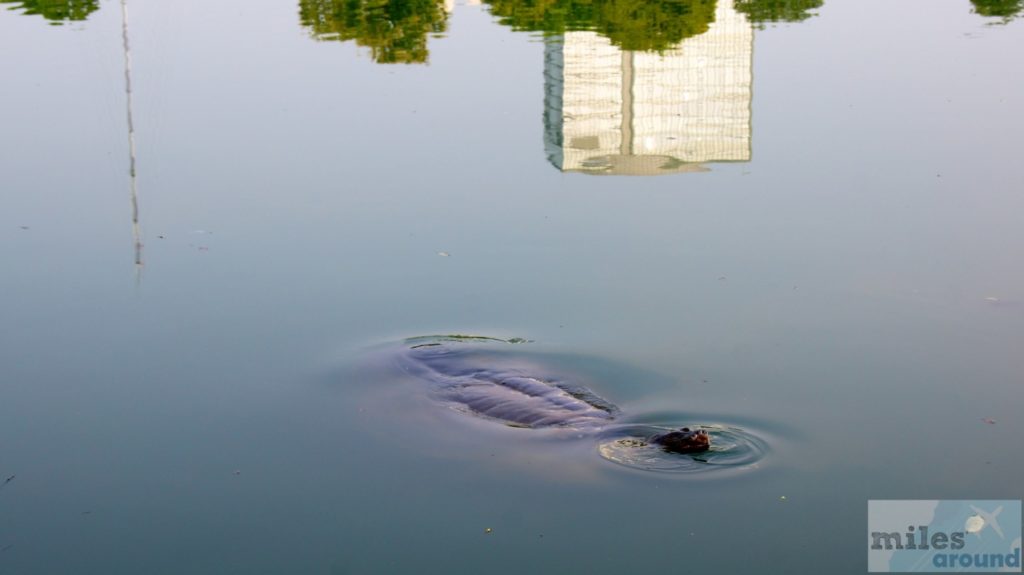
517 398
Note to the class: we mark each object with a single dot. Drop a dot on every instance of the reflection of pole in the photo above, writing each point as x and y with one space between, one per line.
136 234
626 146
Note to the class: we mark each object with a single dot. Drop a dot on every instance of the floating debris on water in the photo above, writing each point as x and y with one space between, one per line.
1001 302
444 254
488 530
988 420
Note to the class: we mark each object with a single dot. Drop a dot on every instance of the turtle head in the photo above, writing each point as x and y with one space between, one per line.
684 440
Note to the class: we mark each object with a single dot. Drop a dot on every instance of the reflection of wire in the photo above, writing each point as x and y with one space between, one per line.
136 233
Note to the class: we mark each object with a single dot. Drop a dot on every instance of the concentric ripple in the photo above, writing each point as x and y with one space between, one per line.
731 448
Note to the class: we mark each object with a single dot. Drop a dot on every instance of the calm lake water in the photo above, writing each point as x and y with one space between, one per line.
802 224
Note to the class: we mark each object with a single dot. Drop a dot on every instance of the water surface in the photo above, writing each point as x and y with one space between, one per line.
803 224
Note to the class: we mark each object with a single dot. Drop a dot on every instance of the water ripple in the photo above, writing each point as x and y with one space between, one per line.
731 448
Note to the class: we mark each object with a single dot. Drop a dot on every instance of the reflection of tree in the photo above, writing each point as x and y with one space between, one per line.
56 11
1005 9
629 24
761 11
393 30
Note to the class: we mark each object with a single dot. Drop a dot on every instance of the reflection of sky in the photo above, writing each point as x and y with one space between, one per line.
950 517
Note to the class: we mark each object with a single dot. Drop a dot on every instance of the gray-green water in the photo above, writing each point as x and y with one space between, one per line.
829 259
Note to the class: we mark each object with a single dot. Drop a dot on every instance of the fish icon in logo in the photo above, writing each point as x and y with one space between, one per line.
977 522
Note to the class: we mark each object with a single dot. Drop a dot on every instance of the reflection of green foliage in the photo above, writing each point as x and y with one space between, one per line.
629 24
56 11
1005 9
761 11
394 30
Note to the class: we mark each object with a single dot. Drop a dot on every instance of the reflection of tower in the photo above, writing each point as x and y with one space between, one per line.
132 174
611 111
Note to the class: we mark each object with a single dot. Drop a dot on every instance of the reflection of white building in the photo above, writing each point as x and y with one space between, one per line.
610 111
449 5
